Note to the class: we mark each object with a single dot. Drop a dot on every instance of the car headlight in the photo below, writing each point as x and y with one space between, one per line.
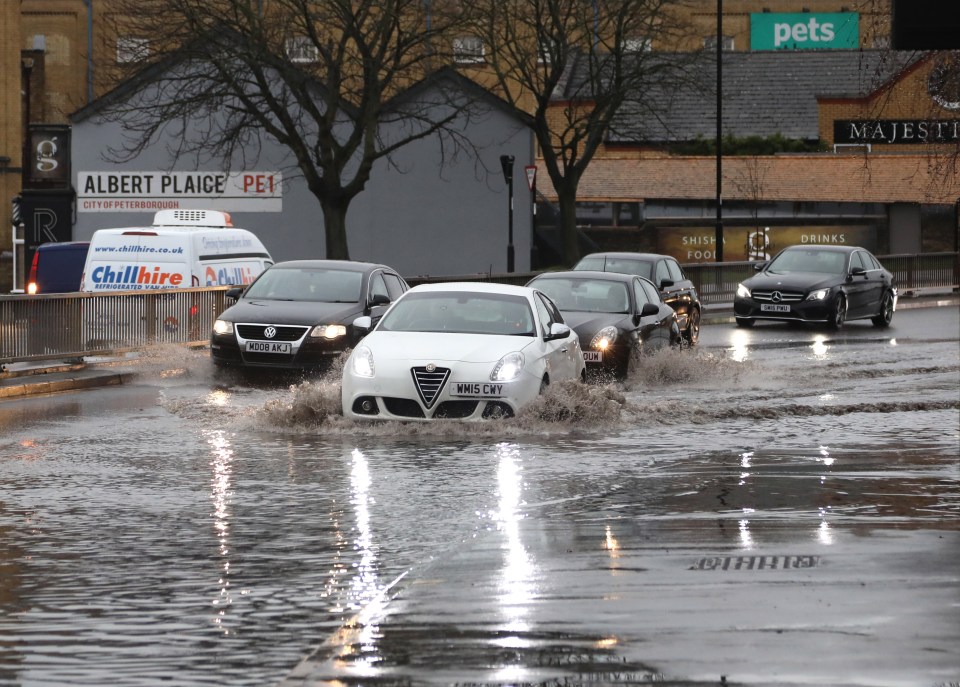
742 291
328 331
223 327
604 338
362 361
508 368
818 295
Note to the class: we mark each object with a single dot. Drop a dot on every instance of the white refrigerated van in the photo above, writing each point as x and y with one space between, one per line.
180 250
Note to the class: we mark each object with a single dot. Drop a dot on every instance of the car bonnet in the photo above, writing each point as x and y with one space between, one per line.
443 346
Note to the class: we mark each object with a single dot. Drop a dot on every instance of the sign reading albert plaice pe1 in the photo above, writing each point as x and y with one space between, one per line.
152 191
804 31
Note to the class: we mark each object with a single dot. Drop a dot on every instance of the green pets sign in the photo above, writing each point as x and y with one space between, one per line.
806 31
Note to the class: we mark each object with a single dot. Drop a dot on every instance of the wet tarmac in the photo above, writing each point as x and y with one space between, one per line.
762 512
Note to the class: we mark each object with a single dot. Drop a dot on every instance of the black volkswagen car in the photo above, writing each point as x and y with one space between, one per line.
614 314
299 314
677 291
822 284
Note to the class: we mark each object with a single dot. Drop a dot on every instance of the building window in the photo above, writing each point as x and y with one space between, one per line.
301 50
131 49
710 43
637 45
468 49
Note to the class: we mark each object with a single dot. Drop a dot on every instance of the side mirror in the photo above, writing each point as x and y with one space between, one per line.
235 292
649 309
379 299
758 267
363 324
664 283
558 330
856 271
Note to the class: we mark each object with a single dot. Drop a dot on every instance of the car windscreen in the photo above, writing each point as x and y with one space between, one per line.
809 260
461 312
640 268
321 285
585 295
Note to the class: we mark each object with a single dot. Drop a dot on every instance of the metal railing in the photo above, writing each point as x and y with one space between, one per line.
75 325
58 326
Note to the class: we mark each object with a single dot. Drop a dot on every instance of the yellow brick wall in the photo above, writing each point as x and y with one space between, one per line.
11 130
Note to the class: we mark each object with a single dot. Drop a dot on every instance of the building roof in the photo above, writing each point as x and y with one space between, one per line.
764 94
907 178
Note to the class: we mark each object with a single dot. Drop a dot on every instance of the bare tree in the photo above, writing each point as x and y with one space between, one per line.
572 65
321 78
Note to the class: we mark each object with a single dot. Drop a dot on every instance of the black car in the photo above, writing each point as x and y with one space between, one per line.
821 284
677 291
299 314
614 314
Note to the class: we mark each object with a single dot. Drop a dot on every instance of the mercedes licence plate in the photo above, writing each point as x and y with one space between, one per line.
772 307
477 390
593 356
268 347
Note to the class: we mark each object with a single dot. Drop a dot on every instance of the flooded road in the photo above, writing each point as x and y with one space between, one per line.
200 530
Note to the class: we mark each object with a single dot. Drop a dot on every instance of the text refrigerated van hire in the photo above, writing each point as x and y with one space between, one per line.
181 249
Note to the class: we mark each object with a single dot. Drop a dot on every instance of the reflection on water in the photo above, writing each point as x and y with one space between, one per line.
107 508
220 494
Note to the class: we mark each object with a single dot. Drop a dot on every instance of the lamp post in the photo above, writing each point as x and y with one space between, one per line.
506 162
718 231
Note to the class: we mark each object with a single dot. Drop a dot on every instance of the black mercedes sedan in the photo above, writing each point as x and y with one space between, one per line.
677 291
615 315
299 314
819 284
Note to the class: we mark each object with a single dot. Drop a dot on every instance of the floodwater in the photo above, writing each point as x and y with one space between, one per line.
194 529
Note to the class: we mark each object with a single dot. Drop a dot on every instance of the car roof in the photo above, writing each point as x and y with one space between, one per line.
474 287
351 265
590 274
825 247
646 257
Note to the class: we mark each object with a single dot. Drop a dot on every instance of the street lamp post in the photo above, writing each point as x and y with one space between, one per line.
718 232
506 162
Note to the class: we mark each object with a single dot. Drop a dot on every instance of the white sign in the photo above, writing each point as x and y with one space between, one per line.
531 171
152 191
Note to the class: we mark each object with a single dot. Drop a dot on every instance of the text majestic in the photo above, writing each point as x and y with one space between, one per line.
896 131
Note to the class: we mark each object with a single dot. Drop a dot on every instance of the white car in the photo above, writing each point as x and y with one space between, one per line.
466 351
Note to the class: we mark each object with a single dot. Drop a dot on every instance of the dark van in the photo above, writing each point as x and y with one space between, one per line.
57 267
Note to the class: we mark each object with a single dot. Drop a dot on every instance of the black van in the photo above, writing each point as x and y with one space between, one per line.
57 267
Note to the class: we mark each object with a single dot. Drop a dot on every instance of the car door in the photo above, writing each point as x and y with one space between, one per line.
653 330
858 286
670 292
874 284
560 353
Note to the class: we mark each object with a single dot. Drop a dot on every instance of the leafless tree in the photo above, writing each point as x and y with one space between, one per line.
324 79
573 65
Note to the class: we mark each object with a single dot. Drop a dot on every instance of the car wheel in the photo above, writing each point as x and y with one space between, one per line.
745 322
692 334
839 313
886 311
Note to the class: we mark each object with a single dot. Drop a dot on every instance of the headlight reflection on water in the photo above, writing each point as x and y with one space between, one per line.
221 493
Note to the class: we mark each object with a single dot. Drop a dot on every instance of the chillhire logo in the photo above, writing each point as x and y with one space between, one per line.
134 277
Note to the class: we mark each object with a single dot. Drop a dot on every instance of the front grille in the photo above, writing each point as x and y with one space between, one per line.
785 296
455 410
429 384
284 333
403 407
